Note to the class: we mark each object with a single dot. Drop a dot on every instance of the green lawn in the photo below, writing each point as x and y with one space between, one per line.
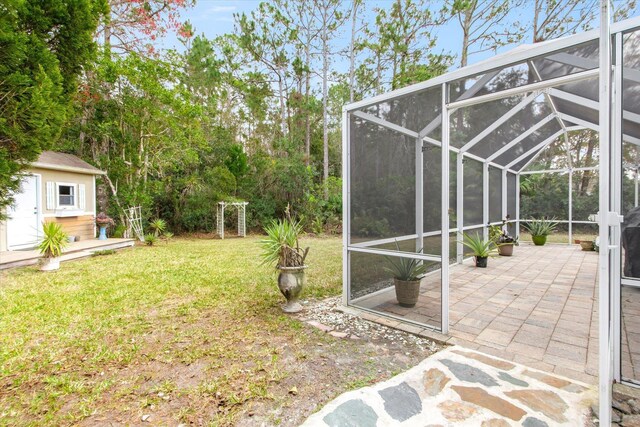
189 331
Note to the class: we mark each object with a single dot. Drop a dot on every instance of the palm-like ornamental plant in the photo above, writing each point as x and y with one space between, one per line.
281 247
158 226
479 246
54 240
540 227
406 269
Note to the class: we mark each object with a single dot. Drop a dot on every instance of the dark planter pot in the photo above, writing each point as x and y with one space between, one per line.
539 240
407 292
291 280
505 249
481 261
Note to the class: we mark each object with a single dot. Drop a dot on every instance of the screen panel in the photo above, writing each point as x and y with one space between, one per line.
473 192
495 194
382 178
375 287
413 111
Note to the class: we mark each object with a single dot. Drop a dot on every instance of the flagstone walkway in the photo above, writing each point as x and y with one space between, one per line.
463 387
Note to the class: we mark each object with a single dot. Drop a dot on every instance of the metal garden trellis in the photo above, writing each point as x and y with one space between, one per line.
134 222
242 223
480 128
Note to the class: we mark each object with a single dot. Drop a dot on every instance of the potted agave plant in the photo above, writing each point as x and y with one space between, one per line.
503 240
540 229
482 249
407 275
282 249
54 240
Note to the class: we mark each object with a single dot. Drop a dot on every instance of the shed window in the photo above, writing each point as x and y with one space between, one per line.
66 195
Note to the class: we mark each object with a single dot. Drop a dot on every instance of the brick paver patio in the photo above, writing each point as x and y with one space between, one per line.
538 308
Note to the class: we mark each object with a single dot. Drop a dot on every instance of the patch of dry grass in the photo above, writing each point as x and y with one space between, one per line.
559 237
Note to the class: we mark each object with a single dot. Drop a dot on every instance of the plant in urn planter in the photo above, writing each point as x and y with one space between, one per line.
407 274
53 242
282 249
103 221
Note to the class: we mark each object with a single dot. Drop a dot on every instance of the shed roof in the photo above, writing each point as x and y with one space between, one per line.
65 162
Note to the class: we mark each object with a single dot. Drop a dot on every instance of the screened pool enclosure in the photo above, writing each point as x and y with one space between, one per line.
425 163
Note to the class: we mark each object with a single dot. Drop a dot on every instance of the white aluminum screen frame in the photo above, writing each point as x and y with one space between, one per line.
567 121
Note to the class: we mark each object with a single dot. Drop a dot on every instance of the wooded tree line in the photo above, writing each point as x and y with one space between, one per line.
253 114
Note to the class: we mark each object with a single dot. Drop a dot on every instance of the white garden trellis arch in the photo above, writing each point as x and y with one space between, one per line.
242 223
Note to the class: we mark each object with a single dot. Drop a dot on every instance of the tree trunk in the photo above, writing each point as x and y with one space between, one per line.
283 108
466 28
464 58
325 115
586 175
114 192
536 16
379 74
307 91
352 52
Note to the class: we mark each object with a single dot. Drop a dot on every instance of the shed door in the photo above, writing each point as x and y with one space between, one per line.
23 225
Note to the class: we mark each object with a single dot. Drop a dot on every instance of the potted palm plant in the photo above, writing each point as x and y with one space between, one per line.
54 240
482 249
504 241
282 249
540 229
407 274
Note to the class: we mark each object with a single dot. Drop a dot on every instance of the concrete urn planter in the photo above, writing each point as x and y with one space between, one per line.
50 264
291 280
407 292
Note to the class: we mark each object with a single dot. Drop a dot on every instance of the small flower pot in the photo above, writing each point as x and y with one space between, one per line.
505 249
586 245
291 280
50 264
407 292
539 240
481 261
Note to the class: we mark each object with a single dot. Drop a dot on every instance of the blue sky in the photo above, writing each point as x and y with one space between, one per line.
215 17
